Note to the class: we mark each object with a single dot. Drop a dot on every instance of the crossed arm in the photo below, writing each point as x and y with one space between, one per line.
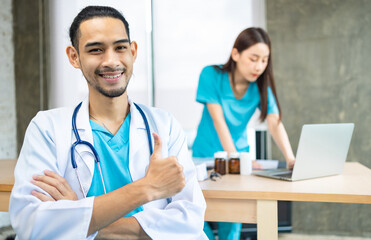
59 189
164 178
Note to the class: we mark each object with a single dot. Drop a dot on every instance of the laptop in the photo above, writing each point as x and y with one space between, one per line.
322 151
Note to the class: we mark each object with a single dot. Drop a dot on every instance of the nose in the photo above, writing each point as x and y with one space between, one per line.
111 59
259 66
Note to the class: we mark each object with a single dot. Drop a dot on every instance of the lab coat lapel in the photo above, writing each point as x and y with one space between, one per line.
138 144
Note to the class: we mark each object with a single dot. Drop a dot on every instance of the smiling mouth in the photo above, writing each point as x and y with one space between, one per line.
110 76
110 73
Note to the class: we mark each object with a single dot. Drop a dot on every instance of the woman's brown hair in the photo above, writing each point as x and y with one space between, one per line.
246 39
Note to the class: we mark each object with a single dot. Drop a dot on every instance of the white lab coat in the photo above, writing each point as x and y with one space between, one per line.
47 145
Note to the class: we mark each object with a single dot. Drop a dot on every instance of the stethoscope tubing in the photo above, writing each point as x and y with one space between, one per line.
147 128
91 147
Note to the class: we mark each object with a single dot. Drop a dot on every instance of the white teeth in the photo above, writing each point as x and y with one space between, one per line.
112 76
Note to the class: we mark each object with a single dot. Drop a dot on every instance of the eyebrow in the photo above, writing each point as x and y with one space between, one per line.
256 55
121 41
91 44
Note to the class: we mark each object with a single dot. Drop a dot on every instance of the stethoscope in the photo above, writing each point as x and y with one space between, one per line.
91 147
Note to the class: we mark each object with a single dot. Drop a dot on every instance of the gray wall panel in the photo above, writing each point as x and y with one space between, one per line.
321 54
30 48
8 130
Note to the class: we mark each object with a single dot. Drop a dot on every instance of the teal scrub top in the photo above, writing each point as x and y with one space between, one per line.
214 87
113 152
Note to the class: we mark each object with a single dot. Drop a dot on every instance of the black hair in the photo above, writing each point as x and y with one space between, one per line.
93 12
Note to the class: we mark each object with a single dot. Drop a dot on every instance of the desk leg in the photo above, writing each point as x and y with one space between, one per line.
4 201
267 220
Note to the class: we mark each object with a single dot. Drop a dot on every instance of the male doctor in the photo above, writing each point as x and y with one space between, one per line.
149 196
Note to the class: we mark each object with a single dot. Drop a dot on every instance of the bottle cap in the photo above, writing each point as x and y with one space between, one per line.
234 155
246 155
221 154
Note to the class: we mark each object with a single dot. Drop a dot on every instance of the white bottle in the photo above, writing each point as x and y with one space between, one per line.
245 163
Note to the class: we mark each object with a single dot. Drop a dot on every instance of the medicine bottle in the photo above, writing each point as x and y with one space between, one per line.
234 163
220 161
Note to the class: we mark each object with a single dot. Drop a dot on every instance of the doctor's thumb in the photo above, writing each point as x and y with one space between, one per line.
157 147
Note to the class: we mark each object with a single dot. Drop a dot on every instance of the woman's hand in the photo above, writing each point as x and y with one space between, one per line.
256 165
290 163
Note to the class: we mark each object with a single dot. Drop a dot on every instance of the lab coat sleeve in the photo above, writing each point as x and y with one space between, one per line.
183 217
31 218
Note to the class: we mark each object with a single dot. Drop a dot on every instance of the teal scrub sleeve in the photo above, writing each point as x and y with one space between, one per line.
207 91
272 104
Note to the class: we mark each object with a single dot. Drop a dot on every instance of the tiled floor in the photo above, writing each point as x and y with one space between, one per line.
6 231
293 236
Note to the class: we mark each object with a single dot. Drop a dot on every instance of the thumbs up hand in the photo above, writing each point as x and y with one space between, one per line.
164 175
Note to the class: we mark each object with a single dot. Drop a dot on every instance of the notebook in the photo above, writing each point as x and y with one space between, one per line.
322 151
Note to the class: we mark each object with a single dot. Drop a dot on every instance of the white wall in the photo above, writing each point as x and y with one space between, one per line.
68 86
188 35
8 126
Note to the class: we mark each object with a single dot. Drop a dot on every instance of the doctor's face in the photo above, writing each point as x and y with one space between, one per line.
105 55
251 62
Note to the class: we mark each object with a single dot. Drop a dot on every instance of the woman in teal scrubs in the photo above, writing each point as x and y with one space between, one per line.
230 94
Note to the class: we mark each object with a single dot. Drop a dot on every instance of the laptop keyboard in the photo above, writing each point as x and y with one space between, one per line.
285 175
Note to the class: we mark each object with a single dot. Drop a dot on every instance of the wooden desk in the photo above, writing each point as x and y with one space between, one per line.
6 182
253 199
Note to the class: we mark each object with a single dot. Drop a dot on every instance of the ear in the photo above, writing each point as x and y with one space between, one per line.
235 54
134 48
73 56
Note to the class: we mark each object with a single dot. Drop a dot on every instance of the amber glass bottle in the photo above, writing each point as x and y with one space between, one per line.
220 161
234 163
